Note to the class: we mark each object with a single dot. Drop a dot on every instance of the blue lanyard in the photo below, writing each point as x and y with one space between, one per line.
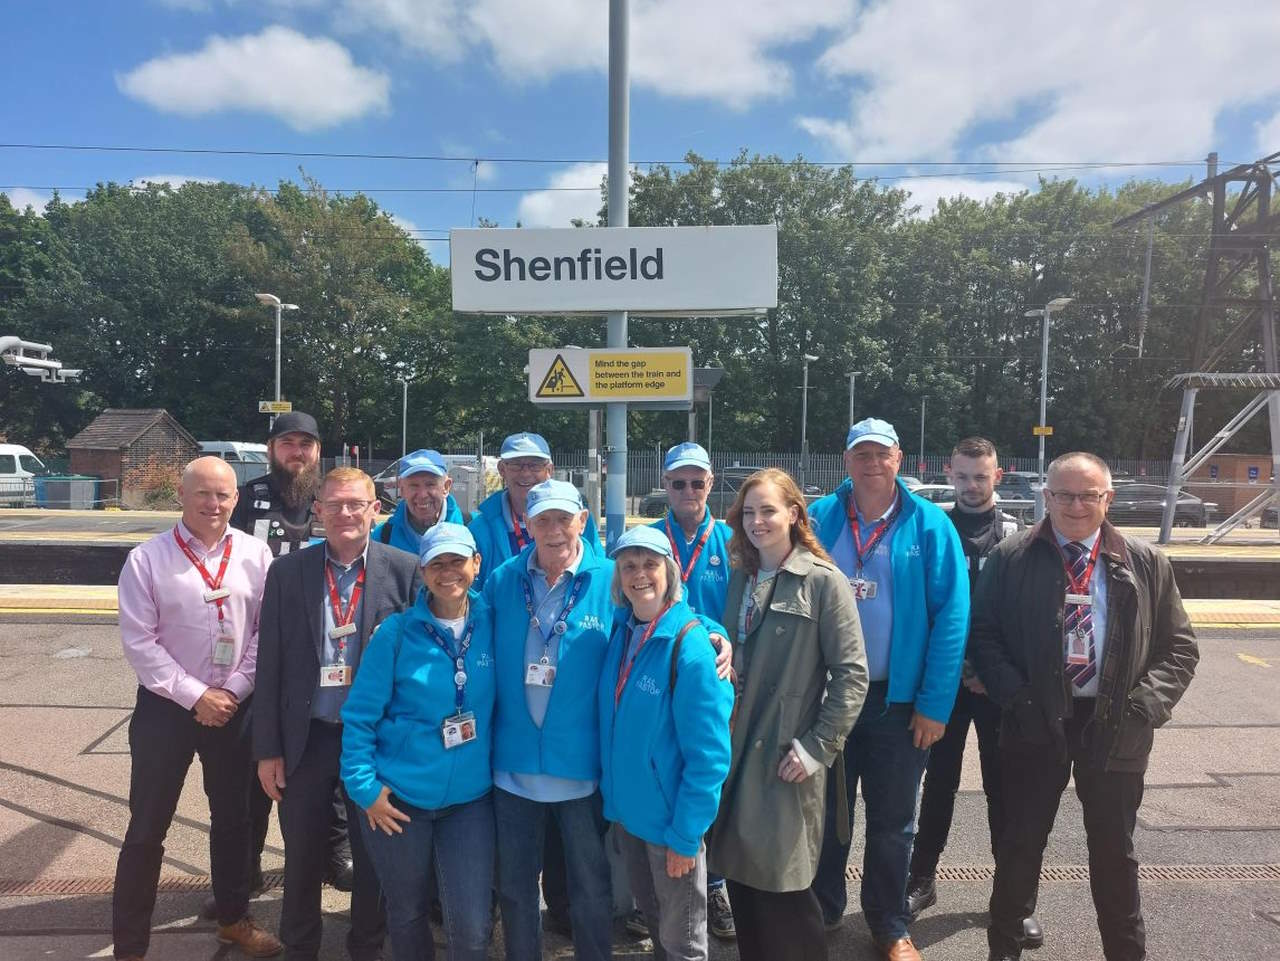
558 626
459 659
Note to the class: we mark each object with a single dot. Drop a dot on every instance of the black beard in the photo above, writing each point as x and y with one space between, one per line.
296 490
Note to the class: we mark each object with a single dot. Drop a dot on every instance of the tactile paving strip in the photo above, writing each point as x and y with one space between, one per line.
170 884
1146 872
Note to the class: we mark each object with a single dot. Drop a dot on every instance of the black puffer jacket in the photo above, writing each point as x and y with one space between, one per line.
1015 642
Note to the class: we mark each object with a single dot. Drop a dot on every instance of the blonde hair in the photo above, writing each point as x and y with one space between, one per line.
675 586
349 475
742 553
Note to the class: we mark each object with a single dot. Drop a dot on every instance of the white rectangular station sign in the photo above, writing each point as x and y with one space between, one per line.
572 375
647 270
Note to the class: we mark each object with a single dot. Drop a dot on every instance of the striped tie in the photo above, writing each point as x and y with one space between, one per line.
1079 617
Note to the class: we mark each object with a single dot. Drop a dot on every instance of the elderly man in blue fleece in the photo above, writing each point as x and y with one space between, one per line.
907 569
424 484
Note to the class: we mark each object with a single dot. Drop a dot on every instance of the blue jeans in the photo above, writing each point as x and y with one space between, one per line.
880 752
461 838
521 825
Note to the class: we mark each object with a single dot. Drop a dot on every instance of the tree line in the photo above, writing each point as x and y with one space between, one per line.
151 292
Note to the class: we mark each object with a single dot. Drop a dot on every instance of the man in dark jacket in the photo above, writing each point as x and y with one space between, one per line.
1079 634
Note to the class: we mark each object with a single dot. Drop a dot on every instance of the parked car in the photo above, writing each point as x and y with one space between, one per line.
248 460
1271 517
730 479
911 482
944 495
654 503
1142 505
18 471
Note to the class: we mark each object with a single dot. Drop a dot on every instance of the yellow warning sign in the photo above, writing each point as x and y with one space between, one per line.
559 381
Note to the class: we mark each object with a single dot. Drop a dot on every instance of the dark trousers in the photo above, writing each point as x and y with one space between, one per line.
305 816
942 779
777 926
260 815
164 737
555 876
1110 800
881 754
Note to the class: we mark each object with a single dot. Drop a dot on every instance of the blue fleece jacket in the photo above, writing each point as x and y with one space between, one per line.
403 535
494 540
930 597
707 585
403 691
665 753
568 743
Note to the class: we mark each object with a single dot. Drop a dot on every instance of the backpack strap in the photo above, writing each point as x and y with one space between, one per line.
675 649
384 535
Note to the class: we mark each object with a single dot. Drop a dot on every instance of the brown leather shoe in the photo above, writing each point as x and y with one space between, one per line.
250 938
900 950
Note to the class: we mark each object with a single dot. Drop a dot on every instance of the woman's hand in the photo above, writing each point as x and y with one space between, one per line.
384 815
677 864
724 656
792 769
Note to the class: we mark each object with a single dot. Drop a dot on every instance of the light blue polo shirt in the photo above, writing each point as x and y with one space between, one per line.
875 613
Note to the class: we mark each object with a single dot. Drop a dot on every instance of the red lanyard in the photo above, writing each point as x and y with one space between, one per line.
517 527
213 583
342 618
1082 586
624 669
675 549
877 535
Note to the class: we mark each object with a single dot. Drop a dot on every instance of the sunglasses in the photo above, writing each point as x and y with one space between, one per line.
679 484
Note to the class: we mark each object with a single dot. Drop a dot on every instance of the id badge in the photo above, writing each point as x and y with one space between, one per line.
1077 647
335 675
224 652
342 630
219 594
458 730
539 675
863 589
262 529
1083 600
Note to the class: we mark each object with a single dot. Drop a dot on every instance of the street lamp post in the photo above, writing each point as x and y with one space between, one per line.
853 383
804 422
1046 312
271 300
404 416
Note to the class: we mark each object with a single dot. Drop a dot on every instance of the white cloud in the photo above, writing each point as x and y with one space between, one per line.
172 180
1104 81
20 198
308 82
730 51
1268 136
557 208
927 191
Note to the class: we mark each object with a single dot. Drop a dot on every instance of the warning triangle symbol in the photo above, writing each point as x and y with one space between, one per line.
559 381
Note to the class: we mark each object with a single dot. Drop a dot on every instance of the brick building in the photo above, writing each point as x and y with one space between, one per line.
142 451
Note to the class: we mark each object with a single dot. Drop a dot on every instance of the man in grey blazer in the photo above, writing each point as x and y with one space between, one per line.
319 609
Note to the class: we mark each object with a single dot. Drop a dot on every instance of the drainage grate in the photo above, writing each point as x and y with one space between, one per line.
171 884
1080 872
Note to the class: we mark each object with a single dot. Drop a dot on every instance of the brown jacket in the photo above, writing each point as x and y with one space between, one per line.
1015 643
804 676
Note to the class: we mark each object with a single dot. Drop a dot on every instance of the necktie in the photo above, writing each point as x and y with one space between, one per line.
1079 617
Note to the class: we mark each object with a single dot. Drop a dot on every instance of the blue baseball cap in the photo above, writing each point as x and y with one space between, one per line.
445 538
525 445
687 454
650 538
423 462
871 429
552 495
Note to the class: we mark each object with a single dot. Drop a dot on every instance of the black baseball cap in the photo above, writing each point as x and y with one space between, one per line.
295 422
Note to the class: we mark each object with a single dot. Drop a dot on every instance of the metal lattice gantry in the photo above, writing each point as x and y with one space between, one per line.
1243 356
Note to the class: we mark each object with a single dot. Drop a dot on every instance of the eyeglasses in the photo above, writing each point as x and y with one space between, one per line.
1087 499
339 507
678 484
527 466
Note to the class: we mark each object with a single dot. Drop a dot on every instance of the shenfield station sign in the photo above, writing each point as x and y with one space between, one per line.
647 270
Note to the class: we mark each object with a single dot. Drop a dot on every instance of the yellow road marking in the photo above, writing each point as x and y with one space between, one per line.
1255 661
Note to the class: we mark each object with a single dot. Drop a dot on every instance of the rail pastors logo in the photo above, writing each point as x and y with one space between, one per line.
590 263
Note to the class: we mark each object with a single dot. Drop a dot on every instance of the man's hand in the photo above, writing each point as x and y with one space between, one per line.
677 864
724 662
216 707
384 815
271 777
927 730
973 683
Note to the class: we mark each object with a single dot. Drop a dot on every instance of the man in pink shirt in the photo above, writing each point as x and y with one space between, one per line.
189 601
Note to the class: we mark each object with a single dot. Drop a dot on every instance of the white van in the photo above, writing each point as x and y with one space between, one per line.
246 459
18 468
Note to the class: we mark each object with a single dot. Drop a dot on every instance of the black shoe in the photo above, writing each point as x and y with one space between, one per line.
922 892
1032 935
557 923
636 925
340 873
1002 956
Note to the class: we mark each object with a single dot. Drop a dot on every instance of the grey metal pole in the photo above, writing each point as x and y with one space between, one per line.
404 419
619 140
271 422
804 426
1144 310
923 402
693 423
711 402
853 385
1044 394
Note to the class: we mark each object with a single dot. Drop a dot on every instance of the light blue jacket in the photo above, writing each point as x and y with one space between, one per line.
664 753
402 692
403 535
494 541
708 582
930 597
568 743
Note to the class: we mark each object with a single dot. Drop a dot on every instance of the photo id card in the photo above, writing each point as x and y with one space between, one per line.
224 652
335 675
458 730
540 675
863 589
1077 647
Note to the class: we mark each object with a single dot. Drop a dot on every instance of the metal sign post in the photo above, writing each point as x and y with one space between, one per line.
615 509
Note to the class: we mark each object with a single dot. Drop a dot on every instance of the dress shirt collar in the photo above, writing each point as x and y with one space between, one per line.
197 545
571 570
362 559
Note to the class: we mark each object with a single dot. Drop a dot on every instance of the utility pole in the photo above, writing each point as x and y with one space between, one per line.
853 383
619 146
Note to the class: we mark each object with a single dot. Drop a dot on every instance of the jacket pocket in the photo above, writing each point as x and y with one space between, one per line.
1134 736
1024 723
662 790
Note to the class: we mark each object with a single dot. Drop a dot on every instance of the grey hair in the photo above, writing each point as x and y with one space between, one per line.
1093 460
675 587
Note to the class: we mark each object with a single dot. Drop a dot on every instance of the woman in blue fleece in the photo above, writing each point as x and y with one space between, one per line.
416 753
664 742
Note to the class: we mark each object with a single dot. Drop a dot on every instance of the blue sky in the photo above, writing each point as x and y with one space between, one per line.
894 86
